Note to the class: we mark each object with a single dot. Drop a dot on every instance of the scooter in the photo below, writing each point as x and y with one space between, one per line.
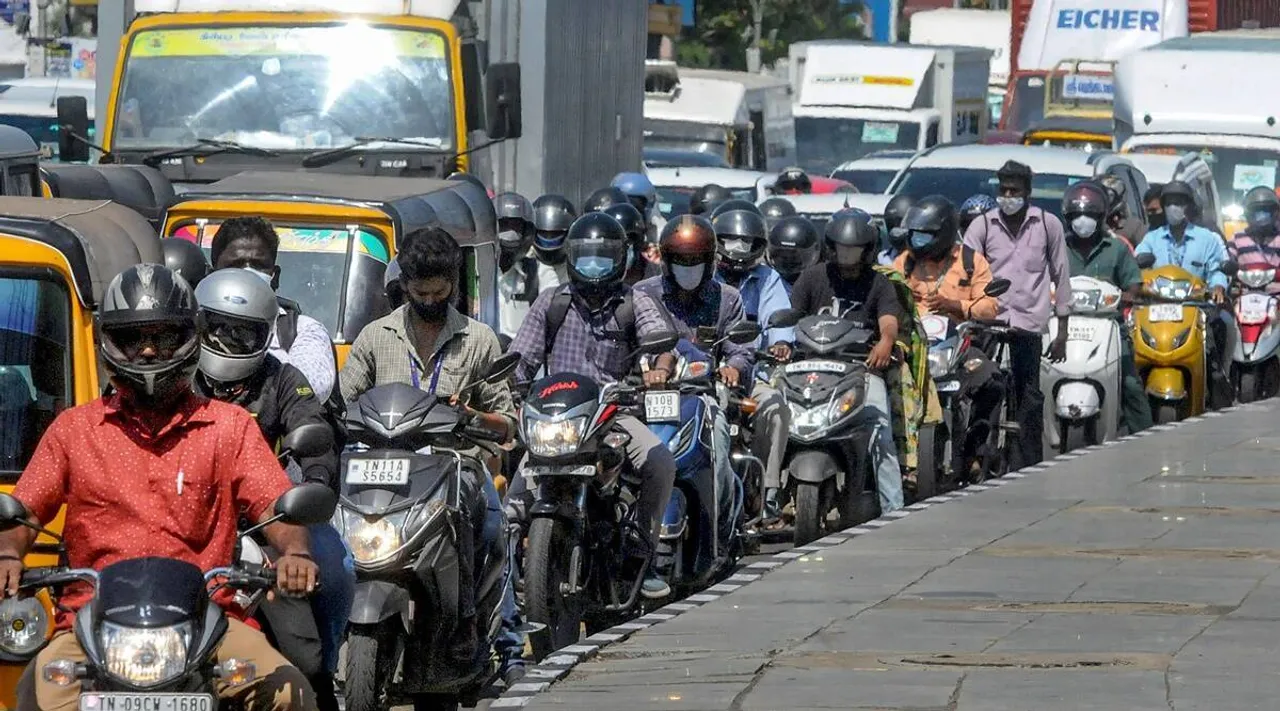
701 534
1084 390
1255 363
1171 341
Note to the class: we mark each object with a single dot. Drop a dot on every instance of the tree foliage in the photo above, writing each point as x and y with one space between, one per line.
724 29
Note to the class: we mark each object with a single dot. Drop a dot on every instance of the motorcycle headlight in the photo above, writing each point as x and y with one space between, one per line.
1255 278
142 656
24 626
940 361
554 438
807 420
1174 289
1181 338
373 538
1149 339
1086 301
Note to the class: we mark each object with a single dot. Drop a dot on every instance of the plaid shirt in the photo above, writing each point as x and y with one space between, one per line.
383 353
588 343
718 305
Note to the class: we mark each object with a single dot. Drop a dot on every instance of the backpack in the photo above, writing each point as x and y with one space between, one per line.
562 301
335 410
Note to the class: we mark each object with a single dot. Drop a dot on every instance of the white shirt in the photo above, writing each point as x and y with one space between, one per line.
511 285
311 353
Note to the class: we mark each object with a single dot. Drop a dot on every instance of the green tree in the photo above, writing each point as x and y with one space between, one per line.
726 28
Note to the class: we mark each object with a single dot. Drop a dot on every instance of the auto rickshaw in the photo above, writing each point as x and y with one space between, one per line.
20 163
140 188
339 232
1170 342
1078 107
56 258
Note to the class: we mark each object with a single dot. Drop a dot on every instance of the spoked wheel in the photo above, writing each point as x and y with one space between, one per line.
547 600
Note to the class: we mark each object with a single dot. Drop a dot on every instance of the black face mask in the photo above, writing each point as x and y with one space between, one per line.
1155 220
431 313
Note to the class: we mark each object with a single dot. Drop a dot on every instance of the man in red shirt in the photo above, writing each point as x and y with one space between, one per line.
155 470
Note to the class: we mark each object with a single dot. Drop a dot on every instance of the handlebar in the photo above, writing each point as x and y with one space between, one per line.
264 578
50 577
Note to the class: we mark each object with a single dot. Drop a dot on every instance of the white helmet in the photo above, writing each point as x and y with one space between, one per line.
237 319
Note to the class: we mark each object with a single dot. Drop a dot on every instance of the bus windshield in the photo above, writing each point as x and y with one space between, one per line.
278 87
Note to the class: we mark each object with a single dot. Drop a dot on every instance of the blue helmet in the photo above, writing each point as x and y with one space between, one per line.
638 189
974 206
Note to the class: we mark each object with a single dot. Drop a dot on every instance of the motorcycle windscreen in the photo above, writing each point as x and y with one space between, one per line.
151 592
817 385
378 480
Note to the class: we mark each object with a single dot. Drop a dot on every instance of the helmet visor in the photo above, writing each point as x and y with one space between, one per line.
549 240
149 346
595 259
235 336
791 260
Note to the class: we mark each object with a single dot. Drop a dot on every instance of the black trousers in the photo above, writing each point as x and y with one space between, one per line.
1025 352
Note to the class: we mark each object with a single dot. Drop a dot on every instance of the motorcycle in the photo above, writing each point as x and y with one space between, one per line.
427 601
1085 388
583 558
1255 363
701 533
150 634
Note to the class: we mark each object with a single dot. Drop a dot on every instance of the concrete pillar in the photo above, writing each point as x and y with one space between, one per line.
113 19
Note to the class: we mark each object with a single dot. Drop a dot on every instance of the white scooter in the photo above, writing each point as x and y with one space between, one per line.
1255 363
1082 393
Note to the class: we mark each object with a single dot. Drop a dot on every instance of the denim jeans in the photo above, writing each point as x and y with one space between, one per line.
510 643
331 603
884 453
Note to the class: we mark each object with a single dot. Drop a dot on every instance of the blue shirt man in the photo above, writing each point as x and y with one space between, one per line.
1198 250
764 291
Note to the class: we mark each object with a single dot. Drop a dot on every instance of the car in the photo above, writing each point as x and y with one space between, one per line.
47 90
671 158
676 185
1192 168
819 207
875 172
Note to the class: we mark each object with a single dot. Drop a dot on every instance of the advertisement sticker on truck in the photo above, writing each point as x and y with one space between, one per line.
1110 18
1085 86
874 132
862 79
1248 177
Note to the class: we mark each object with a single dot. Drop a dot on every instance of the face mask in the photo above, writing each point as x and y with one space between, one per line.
1155 220
1011 206
1175 215
1262 219
431 313
689 278
265 276
921 240
1084 226
509 238
737 247
849 256
594 267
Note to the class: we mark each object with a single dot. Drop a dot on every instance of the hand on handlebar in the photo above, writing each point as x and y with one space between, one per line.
730 376
656 376
781 351
296 574
1218 295
881 354
10 576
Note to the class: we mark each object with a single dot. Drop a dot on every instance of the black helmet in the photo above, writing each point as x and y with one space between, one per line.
776 208
1086 198
596 250
894 211
185 258
513 206
973 207
602 198
515 221
552 217
707 197
792 180
932 227
794 245
1179 189
741 237
631 220
734 204
1261 207
851 227
147 296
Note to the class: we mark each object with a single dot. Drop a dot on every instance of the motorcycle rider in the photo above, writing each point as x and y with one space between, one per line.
1151 201
391 286
894 212
848 287
946 277
794 246
642 258
429 344
602 198
185 258
973 207
1117 221
1258 245
1094 252
520 272
252 243
741 239
1202 253
106 460
776 208
792 181
552 215
237 314
705 198
593 330
641 193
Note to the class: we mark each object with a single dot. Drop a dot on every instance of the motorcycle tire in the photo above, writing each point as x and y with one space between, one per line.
368 670
1248 389
931 460
1165 413
546 570
812 507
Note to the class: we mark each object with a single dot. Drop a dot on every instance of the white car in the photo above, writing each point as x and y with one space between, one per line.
873 173
676 185
46 90
819 208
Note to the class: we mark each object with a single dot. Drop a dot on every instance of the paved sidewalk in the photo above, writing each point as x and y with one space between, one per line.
1138 577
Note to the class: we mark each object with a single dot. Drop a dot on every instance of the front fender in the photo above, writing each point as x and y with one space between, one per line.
813 466
1166 384
675 519
378 600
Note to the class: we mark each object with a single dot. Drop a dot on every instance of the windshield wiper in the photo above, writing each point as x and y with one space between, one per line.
320 159
207 147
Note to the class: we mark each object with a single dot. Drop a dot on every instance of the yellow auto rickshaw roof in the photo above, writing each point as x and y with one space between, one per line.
459 206
1103 128
138 187
99 238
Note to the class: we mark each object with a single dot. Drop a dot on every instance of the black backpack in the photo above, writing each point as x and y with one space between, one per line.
335 409
562 301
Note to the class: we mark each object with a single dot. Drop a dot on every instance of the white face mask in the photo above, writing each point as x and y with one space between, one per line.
509 237
689 278
1175 215
1084 226
737 246
1010 206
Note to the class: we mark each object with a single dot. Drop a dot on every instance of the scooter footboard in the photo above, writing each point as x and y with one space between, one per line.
676 517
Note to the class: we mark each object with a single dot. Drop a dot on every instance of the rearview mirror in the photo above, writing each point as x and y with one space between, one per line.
502 368
11 510
743 332
997 287
784 318
1146 260
311 440
502 101
307 504
1230 267
659 342
73 129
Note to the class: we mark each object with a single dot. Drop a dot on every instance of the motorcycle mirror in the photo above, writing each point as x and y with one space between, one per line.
658 342
11 510
307 504
744 332
997 287
784 318
502 368
310 440
1146 260
1230 267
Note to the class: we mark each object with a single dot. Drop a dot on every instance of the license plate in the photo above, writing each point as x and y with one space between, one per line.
373 472
662 406
819 366
949 386
1158 313
115 701
1254 309
1079 332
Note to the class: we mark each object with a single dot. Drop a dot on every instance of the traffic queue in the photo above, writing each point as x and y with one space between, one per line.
437 439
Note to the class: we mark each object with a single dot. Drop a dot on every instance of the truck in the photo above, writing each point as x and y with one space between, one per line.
1200 94
853 98
422 88
967 26
742 117
1046 33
